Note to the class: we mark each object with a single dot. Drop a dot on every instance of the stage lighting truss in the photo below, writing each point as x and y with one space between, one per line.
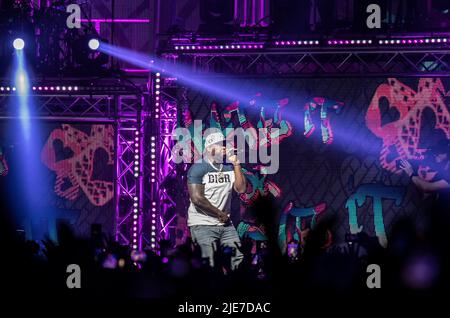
217 45
160 222
131 141
290 58
318 62
413 55
123 107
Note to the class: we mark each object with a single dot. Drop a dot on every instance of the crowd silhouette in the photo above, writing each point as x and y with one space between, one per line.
415 263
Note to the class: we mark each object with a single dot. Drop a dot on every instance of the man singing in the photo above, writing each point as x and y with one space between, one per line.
210 183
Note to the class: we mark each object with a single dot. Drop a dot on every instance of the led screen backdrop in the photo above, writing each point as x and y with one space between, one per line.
75 180
340 139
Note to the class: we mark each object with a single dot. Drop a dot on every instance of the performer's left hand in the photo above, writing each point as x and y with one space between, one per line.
232 157
406 166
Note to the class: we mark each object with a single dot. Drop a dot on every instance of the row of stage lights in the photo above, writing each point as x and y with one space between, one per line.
65 89
55 88
316 43
135 222
153 179
414 41
137 173
136 207
19 44
157 90
219 47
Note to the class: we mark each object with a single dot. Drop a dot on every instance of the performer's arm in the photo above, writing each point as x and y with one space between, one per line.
423 185
197 195
240 182
426 186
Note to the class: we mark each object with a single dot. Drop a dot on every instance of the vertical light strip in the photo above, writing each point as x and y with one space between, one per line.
154 161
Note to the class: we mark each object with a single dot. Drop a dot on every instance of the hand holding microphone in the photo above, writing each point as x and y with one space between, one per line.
232 155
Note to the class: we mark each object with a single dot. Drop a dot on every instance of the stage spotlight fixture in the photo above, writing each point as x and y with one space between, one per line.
18 44
94 44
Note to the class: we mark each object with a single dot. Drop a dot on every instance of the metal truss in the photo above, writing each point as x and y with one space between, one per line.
61 107
125 108
282 62
129 192
160 223
269 62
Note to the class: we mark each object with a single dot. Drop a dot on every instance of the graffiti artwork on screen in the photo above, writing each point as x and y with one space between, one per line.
258 185
378 193
258 182
293 228
347 113
75 166
401 138
225 121
326 107
78 168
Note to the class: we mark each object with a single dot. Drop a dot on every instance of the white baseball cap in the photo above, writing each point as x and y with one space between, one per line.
214 138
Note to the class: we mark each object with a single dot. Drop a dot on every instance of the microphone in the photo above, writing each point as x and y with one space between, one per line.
236 151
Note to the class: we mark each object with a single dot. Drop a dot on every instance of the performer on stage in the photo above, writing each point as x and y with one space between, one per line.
440 185
210 184
437 190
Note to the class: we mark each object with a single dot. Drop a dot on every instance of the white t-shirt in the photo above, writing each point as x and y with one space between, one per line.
218 190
